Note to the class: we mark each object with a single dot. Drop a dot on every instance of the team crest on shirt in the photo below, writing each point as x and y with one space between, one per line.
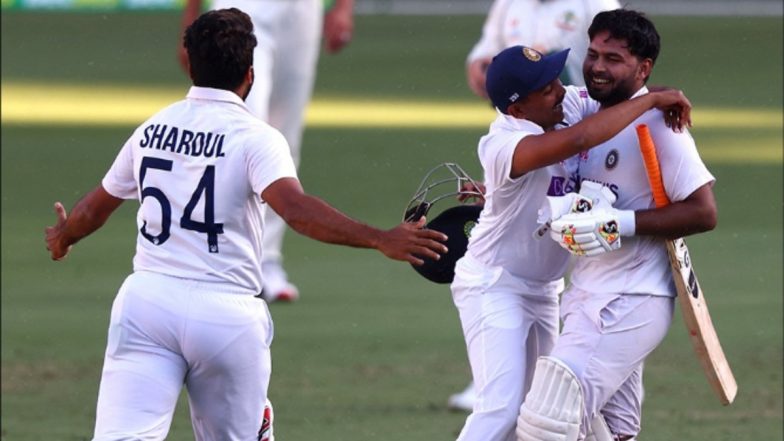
532 54
611 160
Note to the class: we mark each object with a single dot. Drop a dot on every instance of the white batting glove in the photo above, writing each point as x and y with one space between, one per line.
592 196
594 232
557 206
601 197
587 234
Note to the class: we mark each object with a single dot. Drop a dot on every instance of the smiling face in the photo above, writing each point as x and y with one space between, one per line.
612 73
543 107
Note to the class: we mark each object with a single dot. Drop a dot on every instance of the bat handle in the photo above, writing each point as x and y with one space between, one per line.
652 168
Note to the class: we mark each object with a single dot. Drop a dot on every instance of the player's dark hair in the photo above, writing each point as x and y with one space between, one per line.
220 48
631 26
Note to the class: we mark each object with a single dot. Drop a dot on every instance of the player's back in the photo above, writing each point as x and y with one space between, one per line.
198 167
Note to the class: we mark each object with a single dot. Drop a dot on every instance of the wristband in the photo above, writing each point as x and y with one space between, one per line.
627 222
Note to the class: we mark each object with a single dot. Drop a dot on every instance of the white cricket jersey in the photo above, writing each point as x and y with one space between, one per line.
640 265
547 26
198 168
503 236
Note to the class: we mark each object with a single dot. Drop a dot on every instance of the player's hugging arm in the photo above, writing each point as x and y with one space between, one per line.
312 217
537 151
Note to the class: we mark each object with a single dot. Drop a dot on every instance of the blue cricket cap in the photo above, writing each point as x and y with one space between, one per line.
518 70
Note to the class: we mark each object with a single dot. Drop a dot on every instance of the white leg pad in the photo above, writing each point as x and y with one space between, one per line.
553 408
599 430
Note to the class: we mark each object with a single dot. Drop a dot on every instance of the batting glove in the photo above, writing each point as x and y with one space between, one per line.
594 232
557 206
601 197
592 196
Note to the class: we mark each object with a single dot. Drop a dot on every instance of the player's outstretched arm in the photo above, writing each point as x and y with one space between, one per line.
312 217
536 151
89 214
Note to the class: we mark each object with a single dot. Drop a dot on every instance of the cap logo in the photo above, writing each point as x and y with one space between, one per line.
514 97
532 54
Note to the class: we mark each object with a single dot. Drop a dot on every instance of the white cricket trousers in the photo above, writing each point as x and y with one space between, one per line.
506 329
605 339
166 332
284 63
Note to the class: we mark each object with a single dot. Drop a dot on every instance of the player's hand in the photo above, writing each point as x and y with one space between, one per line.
601 197
556 206
473 190
55 242
587 234
476 73
676 108
338 27
409 240
592 196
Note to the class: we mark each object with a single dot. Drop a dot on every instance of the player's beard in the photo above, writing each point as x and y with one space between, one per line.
611 93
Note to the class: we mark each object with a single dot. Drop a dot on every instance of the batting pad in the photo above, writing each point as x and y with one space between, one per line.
553 408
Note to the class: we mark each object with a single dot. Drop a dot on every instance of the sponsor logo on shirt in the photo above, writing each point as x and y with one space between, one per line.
560 185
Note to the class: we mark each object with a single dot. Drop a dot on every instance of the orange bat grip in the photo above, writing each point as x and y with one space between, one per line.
648 151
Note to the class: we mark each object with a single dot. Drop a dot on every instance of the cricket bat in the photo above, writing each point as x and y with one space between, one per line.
693 307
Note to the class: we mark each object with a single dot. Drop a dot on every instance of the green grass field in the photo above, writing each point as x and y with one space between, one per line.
372 351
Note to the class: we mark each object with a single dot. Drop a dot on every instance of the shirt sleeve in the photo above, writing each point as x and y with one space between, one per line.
268 159
491 41
496 157
577 104
119 181
682 169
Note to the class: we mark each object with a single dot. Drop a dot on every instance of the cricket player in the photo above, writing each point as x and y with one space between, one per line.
619 304
201 169
289 35
545 25
506 285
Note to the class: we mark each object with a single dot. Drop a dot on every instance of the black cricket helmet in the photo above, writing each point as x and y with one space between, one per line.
446 181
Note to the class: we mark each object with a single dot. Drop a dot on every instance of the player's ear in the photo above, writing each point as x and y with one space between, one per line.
247 83
644 69
516 110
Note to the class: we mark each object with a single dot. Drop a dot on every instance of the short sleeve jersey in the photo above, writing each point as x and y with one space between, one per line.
198 168
547 26
503 236
640 266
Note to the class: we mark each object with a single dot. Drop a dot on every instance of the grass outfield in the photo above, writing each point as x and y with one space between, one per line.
372 351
